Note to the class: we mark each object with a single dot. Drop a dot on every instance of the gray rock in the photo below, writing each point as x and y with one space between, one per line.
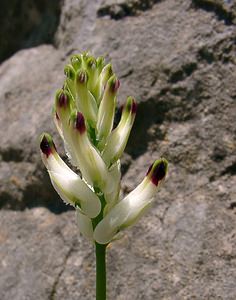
178 59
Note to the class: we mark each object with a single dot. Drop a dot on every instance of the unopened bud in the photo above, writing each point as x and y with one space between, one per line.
114 84
76 61
80 123
46 144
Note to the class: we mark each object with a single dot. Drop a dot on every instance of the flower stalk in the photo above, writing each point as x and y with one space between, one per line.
83 113
100 251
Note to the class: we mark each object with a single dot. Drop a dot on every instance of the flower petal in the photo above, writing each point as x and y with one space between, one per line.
90 162
85 224
118 138
71 188
104 76
133 206
106 110
112 197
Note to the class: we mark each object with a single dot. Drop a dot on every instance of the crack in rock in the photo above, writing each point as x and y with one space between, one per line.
57 280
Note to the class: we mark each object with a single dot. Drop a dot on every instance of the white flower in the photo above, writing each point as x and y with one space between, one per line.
70 187
126 212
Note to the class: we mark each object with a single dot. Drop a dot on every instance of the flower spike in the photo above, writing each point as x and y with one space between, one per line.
83 113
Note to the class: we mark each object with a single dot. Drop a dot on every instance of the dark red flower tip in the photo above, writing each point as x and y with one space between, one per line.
80 123
113 84
63 100
45 146
131 105
159 172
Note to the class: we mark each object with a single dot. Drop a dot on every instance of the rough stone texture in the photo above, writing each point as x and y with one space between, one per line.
118 9
178 59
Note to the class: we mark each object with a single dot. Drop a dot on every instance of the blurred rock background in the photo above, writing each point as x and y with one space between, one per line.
177 58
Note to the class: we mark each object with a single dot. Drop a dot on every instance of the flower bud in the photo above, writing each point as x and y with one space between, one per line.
126 212
92 70
104 76
63 107
106 109
100 64
85 101
117 140
69 84
89 160
70 187
157 171
76 62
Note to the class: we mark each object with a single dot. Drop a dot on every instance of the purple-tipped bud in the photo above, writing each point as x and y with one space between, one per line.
159 173
82 76
114 84
158 170
63 100
80 123
131 105
46 145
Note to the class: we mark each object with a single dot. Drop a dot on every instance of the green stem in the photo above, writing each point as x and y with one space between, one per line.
100 255
100 271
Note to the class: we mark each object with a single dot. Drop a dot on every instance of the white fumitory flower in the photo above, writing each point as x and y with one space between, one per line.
71 188
83 113
126 212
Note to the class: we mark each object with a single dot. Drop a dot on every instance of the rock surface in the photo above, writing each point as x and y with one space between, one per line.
178 59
